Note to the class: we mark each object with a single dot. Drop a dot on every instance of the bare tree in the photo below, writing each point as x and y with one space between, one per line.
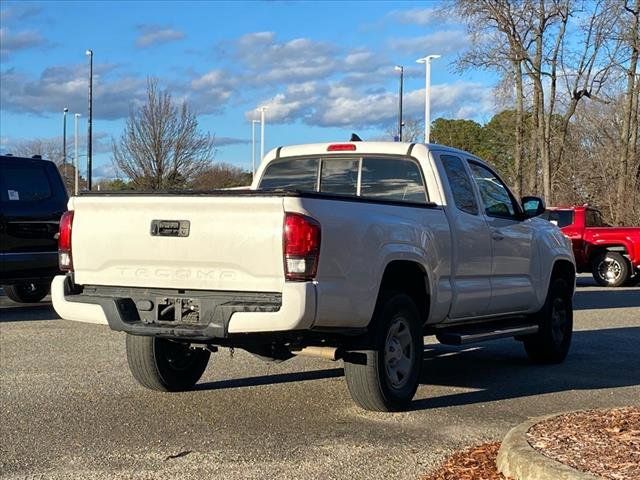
412 130
161 147
221 175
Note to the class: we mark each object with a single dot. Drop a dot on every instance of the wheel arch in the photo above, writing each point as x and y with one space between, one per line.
410 277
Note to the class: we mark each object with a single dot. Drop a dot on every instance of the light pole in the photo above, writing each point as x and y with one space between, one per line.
262 110
64 145
75 153
253 146
427 94
400 68
89 142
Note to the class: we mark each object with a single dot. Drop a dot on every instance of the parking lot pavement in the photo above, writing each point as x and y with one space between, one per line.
70 409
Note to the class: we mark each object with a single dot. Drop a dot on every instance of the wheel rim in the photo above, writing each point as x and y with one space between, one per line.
559 321
609 270
398 353
179 357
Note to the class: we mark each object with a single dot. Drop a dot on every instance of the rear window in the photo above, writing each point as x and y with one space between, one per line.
561 218
394 179
24 183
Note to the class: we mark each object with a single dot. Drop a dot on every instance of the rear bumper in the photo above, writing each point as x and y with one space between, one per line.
28 267
228 312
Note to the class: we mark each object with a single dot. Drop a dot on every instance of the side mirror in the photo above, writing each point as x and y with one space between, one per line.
533 206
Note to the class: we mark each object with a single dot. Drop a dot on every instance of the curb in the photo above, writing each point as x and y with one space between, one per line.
518 460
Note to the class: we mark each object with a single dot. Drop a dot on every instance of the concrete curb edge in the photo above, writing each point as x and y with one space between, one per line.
518 460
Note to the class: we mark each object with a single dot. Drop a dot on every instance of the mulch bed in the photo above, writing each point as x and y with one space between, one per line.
475 463
605 443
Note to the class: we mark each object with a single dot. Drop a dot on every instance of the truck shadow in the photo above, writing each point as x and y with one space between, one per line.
28 313
606 298
499 370
271 379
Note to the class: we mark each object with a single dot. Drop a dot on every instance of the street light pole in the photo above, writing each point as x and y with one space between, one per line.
89 136
427 94
400 68
262 110
64 144
253 146
75 153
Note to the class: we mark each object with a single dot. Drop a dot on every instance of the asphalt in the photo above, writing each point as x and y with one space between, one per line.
70 409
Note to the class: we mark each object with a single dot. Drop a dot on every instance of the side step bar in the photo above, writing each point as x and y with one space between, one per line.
463 336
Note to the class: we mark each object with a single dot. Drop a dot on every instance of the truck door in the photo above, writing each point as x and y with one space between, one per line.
511 237
471 242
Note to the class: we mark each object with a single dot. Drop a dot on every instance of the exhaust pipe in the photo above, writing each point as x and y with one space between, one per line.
328 353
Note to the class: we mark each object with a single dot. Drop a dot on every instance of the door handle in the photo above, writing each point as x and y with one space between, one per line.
497 235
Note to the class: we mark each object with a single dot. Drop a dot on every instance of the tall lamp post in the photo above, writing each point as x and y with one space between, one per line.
253 146
89 139
262 110
76 117
400 68
427 94
64 144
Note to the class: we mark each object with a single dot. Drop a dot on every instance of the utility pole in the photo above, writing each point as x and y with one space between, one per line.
89 136
253 146
64 145
262 110
75 154
427 94
400 68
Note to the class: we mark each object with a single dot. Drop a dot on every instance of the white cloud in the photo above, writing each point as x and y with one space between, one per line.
419 16
440 42
12 42
154 34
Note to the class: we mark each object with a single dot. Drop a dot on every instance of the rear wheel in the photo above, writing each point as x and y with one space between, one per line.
27 292
611 269
555 320
384 377
165 365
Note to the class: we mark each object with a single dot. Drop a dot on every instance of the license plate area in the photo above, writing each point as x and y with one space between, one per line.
178 310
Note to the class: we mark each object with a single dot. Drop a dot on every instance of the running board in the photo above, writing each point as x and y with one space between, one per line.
463 336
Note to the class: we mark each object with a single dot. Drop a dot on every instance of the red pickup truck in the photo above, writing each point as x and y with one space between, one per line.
611 254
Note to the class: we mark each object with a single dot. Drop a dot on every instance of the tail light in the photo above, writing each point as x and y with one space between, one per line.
65 261
301 247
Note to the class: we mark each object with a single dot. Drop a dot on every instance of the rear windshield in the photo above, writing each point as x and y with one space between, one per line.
24 183
383 178
561 218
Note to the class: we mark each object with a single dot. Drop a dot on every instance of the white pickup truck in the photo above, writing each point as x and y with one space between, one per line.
349 251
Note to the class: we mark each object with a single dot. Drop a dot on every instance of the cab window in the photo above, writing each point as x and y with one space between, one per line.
495 196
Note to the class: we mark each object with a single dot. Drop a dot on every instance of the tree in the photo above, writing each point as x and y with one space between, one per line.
221 175
463 134
161 147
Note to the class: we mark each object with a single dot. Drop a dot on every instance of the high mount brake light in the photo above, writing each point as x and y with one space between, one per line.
301 247
65 260
341 147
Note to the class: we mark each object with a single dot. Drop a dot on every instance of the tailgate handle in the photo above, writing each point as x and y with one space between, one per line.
170 228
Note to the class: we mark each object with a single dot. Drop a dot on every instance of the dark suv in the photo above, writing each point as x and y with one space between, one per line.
32 199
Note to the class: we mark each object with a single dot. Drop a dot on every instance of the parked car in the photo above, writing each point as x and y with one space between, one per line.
32 200
611 254
348 251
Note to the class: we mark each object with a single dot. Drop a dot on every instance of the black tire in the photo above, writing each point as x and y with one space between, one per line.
27 292
165 365
555 320
384 376
611 269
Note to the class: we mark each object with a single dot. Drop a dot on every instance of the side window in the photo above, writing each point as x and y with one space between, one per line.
594 219
460 183
495 195
24 183
296 174
396 179
339 176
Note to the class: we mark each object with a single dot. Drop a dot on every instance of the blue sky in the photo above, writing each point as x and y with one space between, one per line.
323 69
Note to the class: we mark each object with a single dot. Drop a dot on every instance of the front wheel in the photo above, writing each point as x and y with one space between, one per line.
26 292
555 321
611 269
385 376
165 365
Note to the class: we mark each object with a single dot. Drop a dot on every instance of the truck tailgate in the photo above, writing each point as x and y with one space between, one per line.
232 243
